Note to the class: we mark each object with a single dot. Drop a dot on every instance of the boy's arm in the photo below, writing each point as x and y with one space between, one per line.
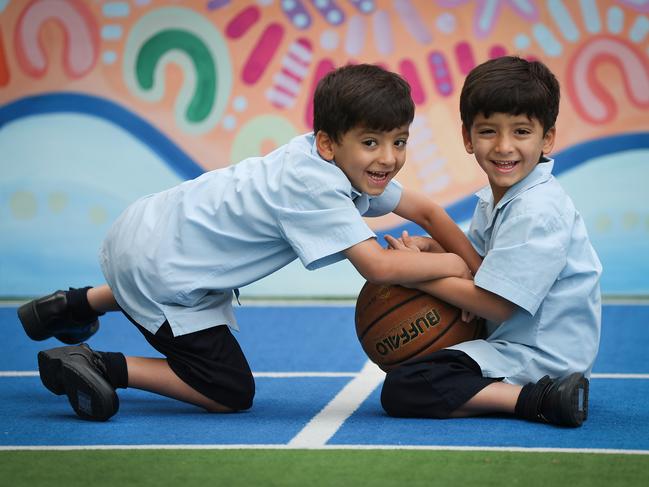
389 266
433 218
464 294
460 292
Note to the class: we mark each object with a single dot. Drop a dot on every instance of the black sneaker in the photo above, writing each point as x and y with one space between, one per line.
49 316
80 373
563 402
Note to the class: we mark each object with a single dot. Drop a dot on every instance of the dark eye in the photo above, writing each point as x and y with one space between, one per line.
369 142
401 143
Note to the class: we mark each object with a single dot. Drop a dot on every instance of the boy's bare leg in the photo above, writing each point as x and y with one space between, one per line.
155 375
101 299
151 374
498 397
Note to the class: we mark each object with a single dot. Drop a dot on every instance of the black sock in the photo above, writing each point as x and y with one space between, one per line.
521 409
528 405
116 369
78 305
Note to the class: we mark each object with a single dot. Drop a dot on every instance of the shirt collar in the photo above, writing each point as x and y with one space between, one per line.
541 173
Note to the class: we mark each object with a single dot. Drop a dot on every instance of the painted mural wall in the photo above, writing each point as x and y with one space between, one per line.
102 102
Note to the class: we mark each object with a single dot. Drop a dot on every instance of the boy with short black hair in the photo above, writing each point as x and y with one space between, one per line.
538 284
173 260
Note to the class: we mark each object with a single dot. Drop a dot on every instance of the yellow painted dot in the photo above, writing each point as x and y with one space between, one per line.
603 223
630 220
23 205
98 215
57 202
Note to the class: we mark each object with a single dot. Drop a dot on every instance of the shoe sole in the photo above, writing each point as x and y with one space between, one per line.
31 322
90 395
78 336
575 390
50 368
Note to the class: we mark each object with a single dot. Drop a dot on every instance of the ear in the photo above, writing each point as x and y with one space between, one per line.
325 145
548 140
466 137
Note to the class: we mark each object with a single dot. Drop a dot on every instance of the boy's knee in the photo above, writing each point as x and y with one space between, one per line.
242 395
394 394
237 395
408 393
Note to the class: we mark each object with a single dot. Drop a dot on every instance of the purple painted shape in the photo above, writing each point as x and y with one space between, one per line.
441 75
215 4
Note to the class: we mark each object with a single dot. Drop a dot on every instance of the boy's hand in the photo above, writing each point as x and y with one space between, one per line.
425 244
406 242
416 243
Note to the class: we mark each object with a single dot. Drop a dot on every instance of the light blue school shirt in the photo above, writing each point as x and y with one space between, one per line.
538 256
178 255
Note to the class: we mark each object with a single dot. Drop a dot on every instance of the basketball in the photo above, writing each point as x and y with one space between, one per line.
394 324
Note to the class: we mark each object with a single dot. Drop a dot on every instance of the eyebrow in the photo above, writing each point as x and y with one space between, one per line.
488 123
368 133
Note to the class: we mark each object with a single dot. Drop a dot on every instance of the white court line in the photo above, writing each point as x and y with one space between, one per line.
297 375
619 376
275 446
272 375
325 424
344 301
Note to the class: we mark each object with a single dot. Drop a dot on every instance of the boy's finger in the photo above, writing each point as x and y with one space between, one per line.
408 241
393 242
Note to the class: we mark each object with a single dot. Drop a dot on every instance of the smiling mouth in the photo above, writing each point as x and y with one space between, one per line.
378 176
504 166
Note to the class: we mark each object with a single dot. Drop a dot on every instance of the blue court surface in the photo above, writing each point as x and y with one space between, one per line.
315 389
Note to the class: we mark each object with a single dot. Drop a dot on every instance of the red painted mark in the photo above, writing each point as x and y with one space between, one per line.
464 55
4 68
409 71
262 53
240 24
323 68
497 51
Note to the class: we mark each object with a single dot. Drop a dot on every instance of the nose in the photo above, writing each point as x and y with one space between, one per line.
503 144
388 155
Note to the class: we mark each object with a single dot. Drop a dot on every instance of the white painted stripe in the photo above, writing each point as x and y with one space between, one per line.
325 424
604 451
297 375
619 376
347 301
292 375
271 375
19 373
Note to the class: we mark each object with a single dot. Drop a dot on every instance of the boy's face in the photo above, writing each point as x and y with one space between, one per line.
369 158
507 147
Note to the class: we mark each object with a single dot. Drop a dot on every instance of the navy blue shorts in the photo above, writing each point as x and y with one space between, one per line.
210 361
432 386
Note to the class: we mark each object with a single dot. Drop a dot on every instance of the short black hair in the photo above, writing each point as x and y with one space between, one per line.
361 95
512 85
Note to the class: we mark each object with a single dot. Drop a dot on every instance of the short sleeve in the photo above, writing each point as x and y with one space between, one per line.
319 219
528 253
476 230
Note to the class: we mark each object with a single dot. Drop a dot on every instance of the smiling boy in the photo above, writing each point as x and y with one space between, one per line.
173 260
538 284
